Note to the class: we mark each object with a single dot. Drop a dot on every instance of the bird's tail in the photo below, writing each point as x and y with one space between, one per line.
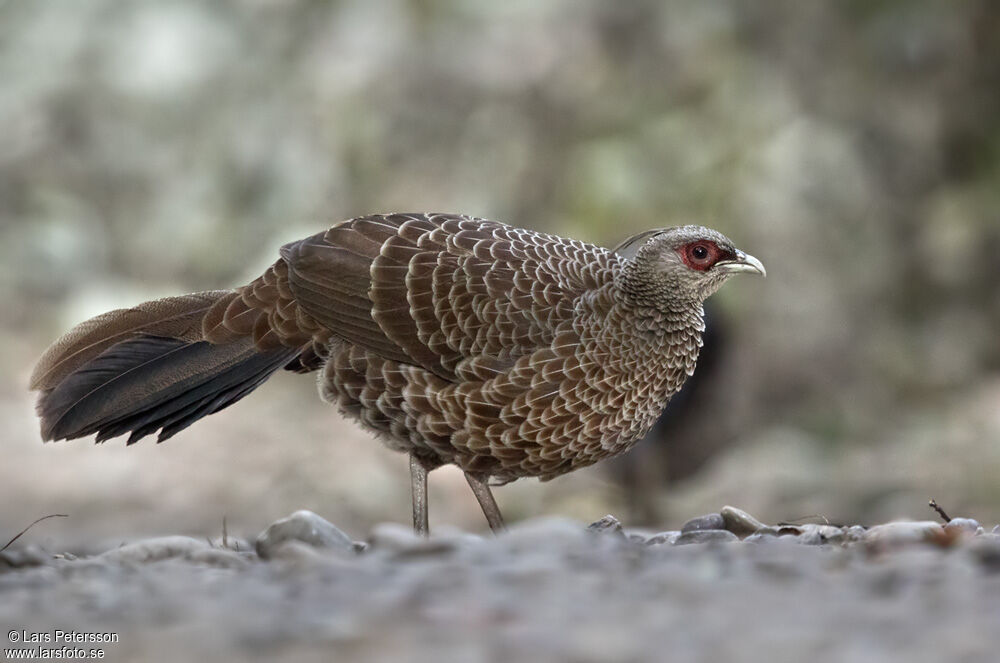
149 368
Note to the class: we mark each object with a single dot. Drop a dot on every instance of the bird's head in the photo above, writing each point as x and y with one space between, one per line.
683 265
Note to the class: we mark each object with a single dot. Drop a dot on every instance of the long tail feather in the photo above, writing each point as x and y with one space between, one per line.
147 369
171 317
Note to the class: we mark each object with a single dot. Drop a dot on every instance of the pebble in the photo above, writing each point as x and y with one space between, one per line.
763 536
17 558
739 522
814 535
155 550
711 521
606 525
964 525
901 532
705 536
307 527
854 533
663 538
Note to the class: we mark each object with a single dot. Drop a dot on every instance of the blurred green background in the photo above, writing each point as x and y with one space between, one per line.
152 148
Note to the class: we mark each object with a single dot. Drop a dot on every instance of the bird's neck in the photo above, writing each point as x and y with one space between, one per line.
653 293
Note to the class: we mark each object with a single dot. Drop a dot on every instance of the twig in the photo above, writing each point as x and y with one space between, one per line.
944 516
18 536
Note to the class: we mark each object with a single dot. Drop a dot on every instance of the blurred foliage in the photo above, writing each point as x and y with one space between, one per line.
854 147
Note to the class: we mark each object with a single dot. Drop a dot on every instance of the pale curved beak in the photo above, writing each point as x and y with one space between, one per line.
742 264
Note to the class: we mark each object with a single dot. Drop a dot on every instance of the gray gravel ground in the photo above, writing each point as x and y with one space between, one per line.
549 590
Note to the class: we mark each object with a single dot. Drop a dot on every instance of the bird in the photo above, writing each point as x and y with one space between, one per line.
458 340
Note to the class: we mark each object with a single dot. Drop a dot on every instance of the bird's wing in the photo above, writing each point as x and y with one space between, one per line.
439 290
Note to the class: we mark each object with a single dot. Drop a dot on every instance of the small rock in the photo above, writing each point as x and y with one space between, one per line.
764 535
963 525
155 550
739 522
606 525
712 521
705 536
854 533
663 538
17 558
770 530
307 527
817 535
902 532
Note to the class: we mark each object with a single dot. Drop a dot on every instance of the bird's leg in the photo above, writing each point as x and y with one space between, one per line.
481 490
418 485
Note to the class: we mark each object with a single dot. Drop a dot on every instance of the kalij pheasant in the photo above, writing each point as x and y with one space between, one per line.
507 352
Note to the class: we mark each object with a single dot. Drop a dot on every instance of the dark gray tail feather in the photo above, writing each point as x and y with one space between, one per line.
149 383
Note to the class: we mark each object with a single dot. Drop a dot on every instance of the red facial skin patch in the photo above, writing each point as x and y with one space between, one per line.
701 255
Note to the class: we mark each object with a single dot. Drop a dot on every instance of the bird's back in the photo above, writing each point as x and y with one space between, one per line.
437 290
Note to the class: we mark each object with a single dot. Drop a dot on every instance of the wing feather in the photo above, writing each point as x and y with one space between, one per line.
445 292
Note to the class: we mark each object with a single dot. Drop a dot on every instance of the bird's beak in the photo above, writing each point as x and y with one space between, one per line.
742 264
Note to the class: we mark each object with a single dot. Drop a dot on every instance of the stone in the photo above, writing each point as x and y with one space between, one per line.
307 527
854 533
739 522
901 532
963 525
606 525
663 538
711 521
705 536
17 558
155 550
816 535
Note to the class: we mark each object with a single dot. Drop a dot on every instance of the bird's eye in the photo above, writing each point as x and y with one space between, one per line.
700 255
